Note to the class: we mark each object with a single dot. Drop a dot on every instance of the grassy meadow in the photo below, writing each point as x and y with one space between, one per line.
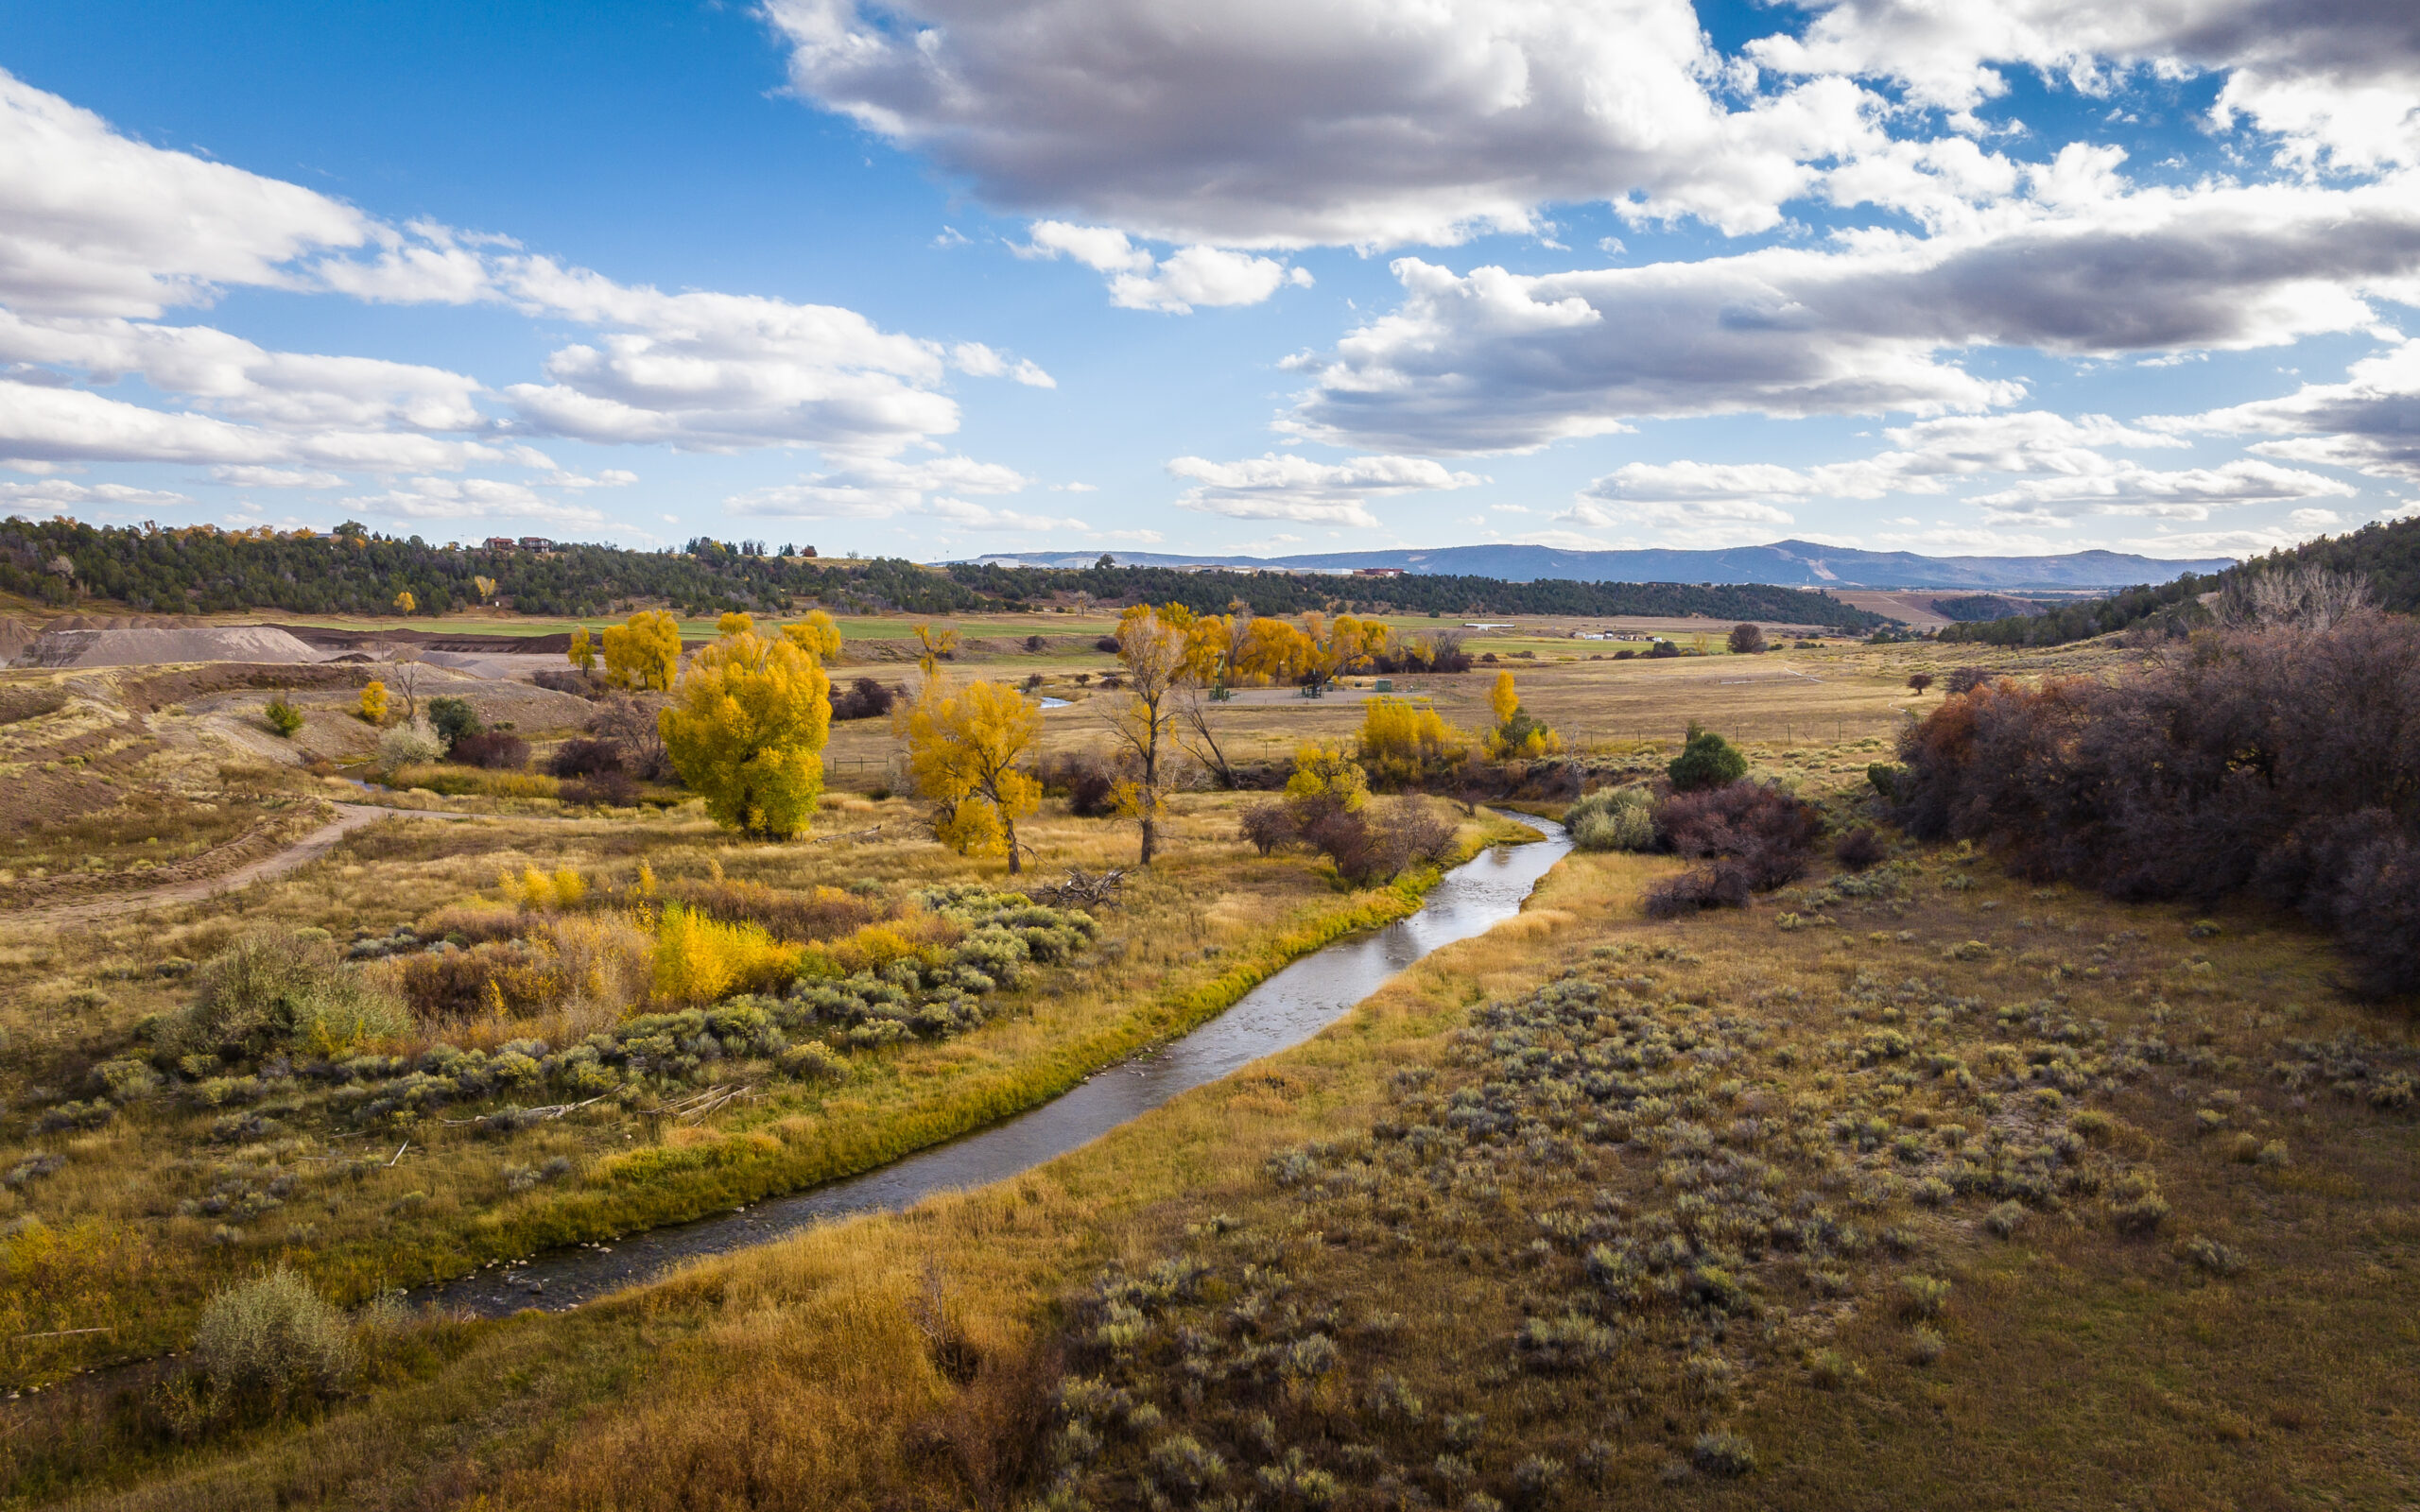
1914 1186
148 1214
2200 1294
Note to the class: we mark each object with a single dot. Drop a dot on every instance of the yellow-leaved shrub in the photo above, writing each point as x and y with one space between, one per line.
699 960
1403 740
535 889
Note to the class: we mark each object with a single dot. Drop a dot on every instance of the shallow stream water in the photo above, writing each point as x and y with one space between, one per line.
1285 1011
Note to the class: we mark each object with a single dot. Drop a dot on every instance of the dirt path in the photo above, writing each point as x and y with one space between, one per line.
350 816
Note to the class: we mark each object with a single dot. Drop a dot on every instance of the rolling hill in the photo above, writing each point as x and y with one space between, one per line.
1786 563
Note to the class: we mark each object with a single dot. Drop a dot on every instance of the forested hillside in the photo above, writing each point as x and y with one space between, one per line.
206 571
1280 593
2385 555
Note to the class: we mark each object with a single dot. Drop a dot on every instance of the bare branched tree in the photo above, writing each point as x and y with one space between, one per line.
405 668
1194 732
2305 596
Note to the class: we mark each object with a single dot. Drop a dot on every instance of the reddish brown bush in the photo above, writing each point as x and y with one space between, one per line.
1722 885
1858 848
1766 831
865 699
2282 763
446 986
584 758
1087 780
1270 827
611 789
1368 845
495 749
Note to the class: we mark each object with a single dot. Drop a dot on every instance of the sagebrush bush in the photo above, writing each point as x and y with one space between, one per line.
410 745
274 989
275 1338
1612 818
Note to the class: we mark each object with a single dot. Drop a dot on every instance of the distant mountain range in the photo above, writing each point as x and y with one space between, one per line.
1787 563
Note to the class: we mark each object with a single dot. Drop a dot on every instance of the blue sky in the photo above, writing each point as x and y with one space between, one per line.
945 278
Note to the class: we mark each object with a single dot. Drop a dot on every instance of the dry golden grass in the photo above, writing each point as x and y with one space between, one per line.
903 1362
1784 702
172 1197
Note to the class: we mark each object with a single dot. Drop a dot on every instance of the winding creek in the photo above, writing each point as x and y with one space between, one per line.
1285 1011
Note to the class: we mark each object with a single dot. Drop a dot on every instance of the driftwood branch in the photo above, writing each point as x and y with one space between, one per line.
527 1115
1081 887
61 1333
697 1105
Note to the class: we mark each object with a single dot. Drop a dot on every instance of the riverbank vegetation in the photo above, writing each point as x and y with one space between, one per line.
1894 1147
451 1045
1906 1182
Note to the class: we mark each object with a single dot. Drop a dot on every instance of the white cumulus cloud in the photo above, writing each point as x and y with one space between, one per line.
1282 485
2337 80
1492 360
2371 421
1289 123
1187 277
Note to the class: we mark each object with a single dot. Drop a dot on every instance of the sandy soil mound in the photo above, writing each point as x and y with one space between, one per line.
148 648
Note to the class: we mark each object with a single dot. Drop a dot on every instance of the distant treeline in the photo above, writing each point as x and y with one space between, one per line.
2387 555
204 570
1276 592
201 570
2089 617
1972 608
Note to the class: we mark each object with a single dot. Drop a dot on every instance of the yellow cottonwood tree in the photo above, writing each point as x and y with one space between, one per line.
373 701
963 747
583 650
1317 647
405 603
746 730
1272 650
735 622
643 651
1326 779
816 635
1504 700
1160 656
935 644
1516 737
